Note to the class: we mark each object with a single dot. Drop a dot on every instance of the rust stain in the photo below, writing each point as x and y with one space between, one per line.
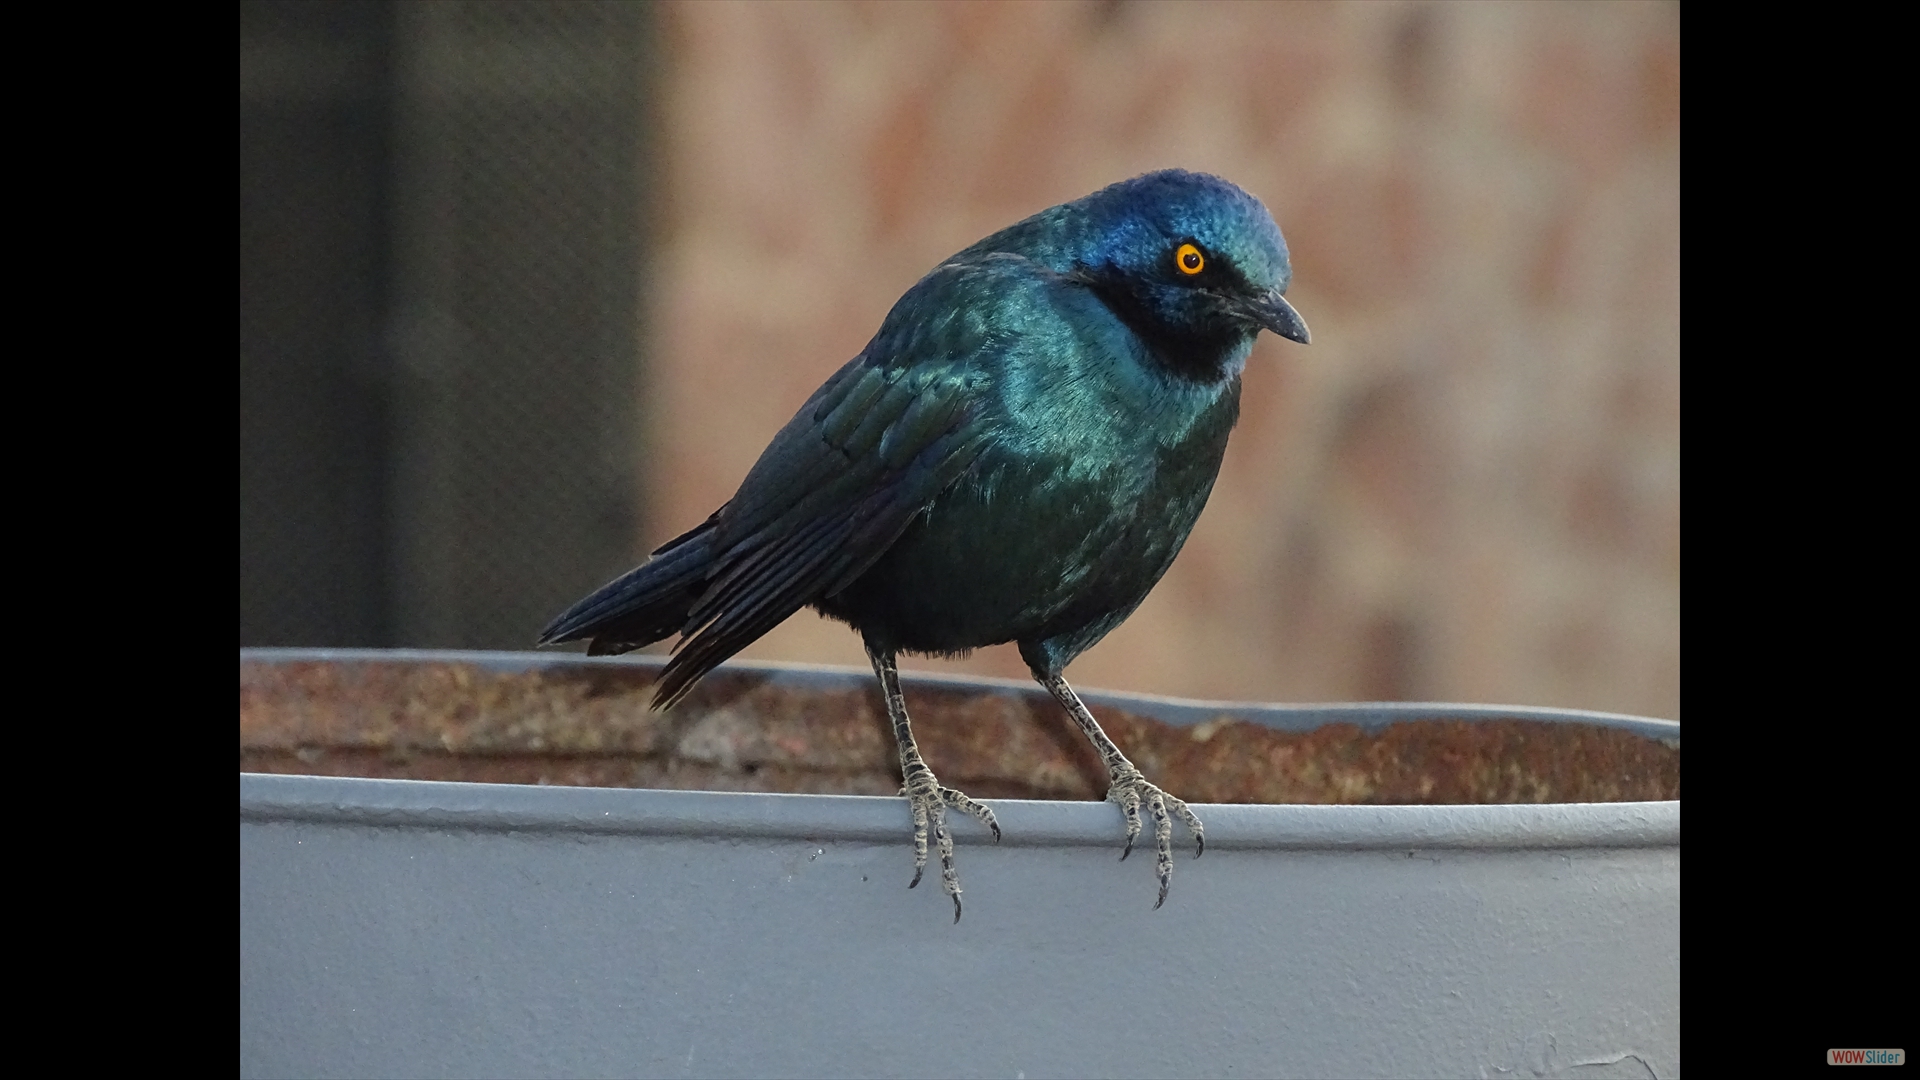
744 732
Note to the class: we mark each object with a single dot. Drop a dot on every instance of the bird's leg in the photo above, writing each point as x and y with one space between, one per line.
1129 788
925 796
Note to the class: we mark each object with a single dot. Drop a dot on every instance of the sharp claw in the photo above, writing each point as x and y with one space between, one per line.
956 910
1202 849
1128 851
916 877
996 832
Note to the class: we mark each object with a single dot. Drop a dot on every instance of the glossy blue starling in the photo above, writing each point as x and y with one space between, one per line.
1017 455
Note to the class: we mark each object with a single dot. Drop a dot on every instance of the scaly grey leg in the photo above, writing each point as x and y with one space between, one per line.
1129 788
925 796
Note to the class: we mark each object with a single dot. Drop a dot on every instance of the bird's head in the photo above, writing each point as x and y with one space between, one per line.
1191 253
1190 262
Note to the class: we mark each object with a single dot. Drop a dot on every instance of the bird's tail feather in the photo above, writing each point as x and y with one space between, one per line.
643 605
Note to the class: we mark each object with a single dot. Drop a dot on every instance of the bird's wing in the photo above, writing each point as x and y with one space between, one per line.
839 484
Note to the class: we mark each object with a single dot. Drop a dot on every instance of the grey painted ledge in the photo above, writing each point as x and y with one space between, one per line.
412 928
866 819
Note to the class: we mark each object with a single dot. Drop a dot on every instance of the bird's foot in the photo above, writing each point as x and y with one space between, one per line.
928 799
1129 790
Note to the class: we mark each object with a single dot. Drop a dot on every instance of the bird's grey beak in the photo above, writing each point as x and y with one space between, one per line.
1274 313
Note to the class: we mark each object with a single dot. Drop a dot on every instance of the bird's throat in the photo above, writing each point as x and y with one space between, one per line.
1195 354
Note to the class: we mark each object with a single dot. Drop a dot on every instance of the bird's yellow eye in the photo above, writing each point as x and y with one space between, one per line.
1189 260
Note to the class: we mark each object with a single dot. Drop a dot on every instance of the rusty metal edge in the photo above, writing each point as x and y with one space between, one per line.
1180 712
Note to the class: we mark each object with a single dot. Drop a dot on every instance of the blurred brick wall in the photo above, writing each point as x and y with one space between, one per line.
1467 488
